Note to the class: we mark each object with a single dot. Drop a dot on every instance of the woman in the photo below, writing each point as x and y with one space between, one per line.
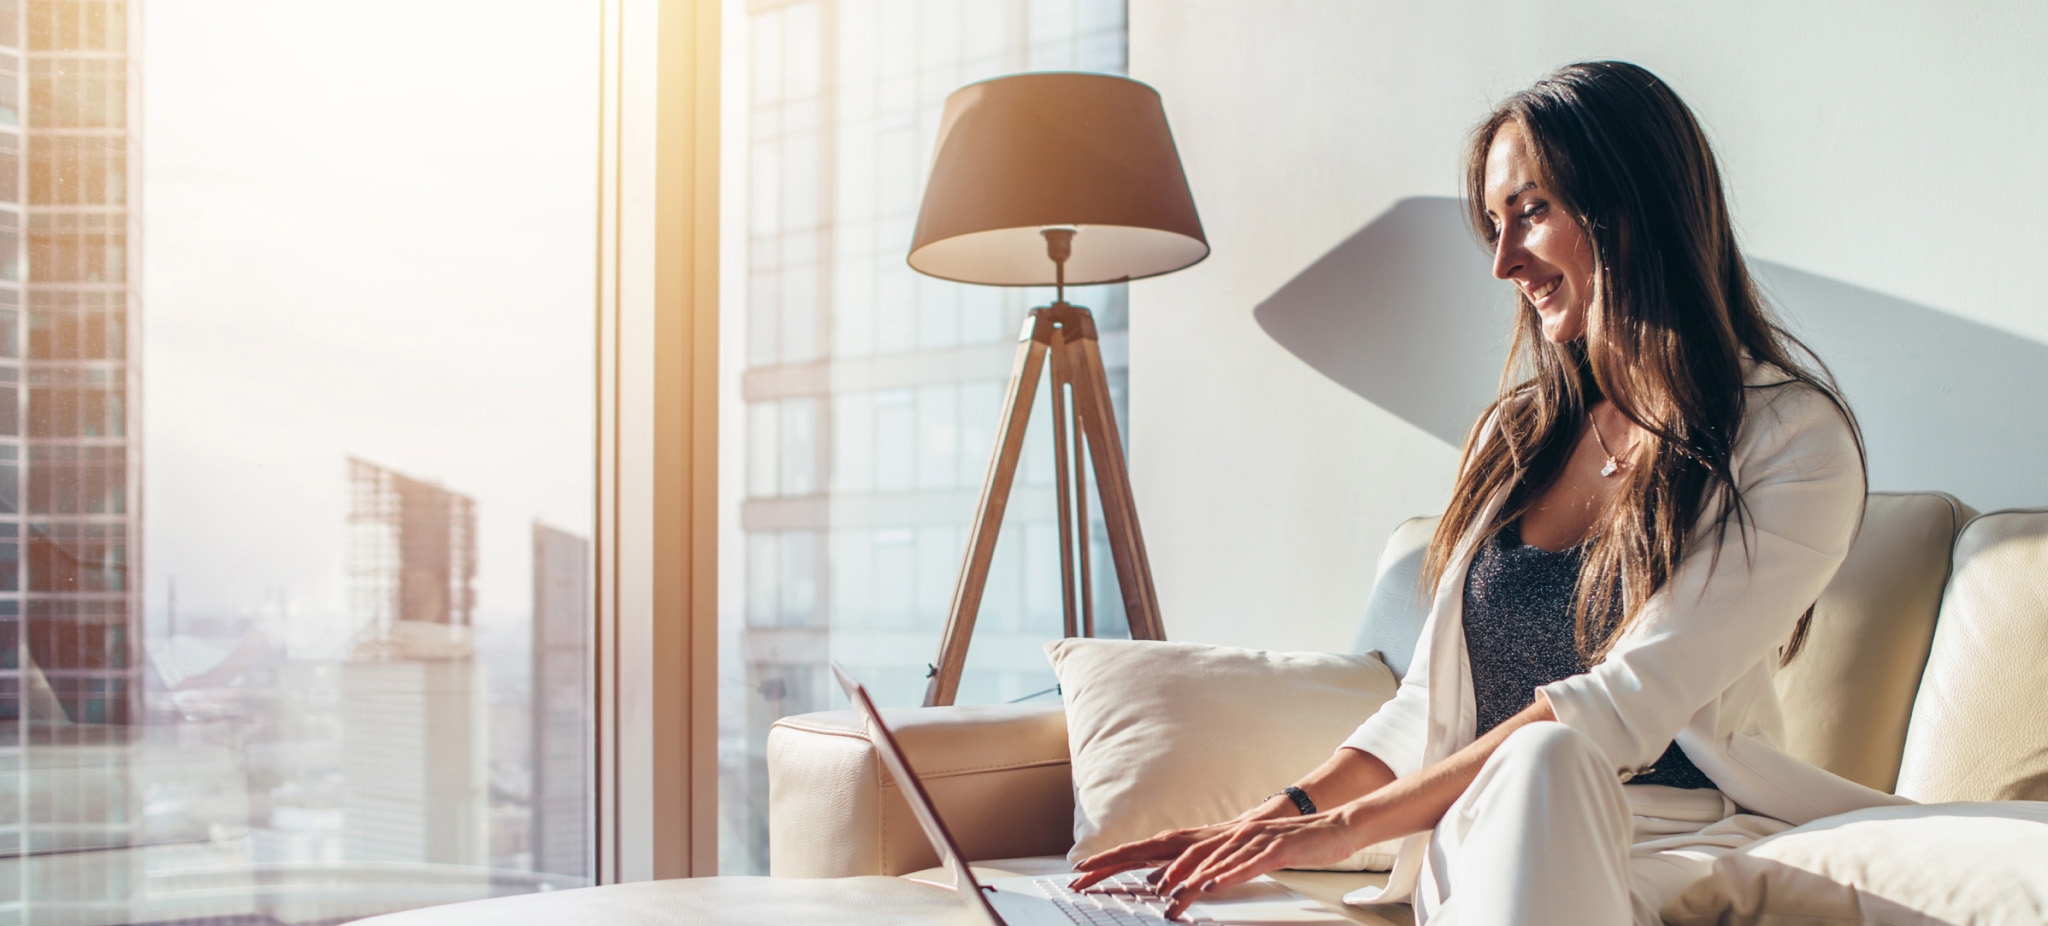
1639 529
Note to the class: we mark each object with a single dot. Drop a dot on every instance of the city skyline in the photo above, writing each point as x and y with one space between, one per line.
361 268
341 283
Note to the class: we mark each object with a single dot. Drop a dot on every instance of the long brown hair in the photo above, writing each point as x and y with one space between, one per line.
1672 313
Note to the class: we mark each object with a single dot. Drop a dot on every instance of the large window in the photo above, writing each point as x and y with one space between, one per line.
75 170
868 396
296 457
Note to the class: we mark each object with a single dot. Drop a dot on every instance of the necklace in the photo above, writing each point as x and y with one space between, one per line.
1613 463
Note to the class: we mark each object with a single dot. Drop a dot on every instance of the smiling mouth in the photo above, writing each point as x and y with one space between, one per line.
1545 290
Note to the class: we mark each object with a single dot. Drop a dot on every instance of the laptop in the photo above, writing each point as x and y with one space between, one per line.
1124 900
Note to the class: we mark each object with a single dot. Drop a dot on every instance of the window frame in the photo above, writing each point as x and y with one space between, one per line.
655 710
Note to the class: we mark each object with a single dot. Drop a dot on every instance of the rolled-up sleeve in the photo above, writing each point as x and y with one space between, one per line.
1394 733
1735 596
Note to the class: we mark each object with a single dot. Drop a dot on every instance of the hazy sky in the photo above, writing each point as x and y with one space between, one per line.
368 230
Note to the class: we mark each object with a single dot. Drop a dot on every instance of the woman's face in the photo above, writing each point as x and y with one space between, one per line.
1536 246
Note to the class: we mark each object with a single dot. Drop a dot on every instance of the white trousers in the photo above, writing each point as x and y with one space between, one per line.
1547 835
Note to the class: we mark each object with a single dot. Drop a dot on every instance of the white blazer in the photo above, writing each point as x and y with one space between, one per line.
1697 665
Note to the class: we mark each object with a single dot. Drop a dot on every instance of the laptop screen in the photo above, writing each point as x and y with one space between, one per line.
914 794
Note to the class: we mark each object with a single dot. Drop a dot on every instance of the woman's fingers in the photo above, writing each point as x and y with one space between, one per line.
1256 850
1248 861
1202 879
1142 853
1190 859
1268 859
1207 876
1091 877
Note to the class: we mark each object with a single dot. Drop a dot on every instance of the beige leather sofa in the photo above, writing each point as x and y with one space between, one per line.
1925 673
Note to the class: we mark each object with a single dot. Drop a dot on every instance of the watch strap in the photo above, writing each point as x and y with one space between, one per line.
1299 797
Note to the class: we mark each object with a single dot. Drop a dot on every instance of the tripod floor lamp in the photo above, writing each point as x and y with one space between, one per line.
1055 179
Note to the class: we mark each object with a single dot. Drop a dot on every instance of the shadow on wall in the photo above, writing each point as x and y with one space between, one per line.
1406 314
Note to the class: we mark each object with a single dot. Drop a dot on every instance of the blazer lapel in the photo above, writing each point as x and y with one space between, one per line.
1452 715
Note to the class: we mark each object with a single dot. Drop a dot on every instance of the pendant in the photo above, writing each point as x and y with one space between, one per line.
1613 466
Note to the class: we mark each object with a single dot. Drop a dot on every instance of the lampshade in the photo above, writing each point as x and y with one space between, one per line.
1017 154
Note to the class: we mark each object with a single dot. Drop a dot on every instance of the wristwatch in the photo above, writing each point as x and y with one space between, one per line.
1298 796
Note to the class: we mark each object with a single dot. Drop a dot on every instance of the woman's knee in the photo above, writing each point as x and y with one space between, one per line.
1548 745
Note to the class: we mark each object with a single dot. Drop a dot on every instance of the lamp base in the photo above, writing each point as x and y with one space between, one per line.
1065 333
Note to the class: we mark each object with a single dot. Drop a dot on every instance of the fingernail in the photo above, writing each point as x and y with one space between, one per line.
1207 886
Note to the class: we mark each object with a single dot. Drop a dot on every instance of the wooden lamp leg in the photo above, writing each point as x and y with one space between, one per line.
1081 517
1060 416
988 515
1113 482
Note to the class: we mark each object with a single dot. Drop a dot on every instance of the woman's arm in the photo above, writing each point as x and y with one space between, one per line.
1345 776
1249 848
1348 775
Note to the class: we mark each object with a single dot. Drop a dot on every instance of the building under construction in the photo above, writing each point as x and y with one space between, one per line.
412 555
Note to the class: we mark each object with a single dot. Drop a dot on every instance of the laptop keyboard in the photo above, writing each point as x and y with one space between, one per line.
1121 900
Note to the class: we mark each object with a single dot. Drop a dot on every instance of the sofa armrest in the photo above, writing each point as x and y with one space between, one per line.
998 773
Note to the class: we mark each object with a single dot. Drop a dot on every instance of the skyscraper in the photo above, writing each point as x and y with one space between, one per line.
412 559
416 787
70 500
561 702
869 394
416 784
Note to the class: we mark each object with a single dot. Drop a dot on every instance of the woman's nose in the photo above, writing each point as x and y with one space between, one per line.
1507 256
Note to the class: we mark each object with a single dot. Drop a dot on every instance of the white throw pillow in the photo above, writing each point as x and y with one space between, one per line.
1923 865
1167 735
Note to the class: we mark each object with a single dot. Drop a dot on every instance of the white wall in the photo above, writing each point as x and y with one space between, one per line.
1886 170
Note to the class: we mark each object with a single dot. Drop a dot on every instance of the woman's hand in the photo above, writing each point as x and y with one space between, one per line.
1245 850
1158 850
1345 776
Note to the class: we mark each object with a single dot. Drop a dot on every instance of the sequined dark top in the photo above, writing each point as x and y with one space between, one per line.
1518 636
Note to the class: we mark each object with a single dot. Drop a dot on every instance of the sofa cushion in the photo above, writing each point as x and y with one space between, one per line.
1849 693
1979 732
1395 609
1168 735
998 774
1916 865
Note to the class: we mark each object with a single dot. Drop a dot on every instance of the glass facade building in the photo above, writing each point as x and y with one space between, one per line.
70 512
868 394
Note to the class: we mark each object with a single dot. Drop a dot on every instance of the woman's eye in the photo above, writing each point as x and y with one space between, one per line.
1535 209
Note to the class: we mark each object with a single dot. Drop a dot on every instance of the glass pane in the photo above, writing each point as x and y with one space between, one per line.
337 664
866 396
